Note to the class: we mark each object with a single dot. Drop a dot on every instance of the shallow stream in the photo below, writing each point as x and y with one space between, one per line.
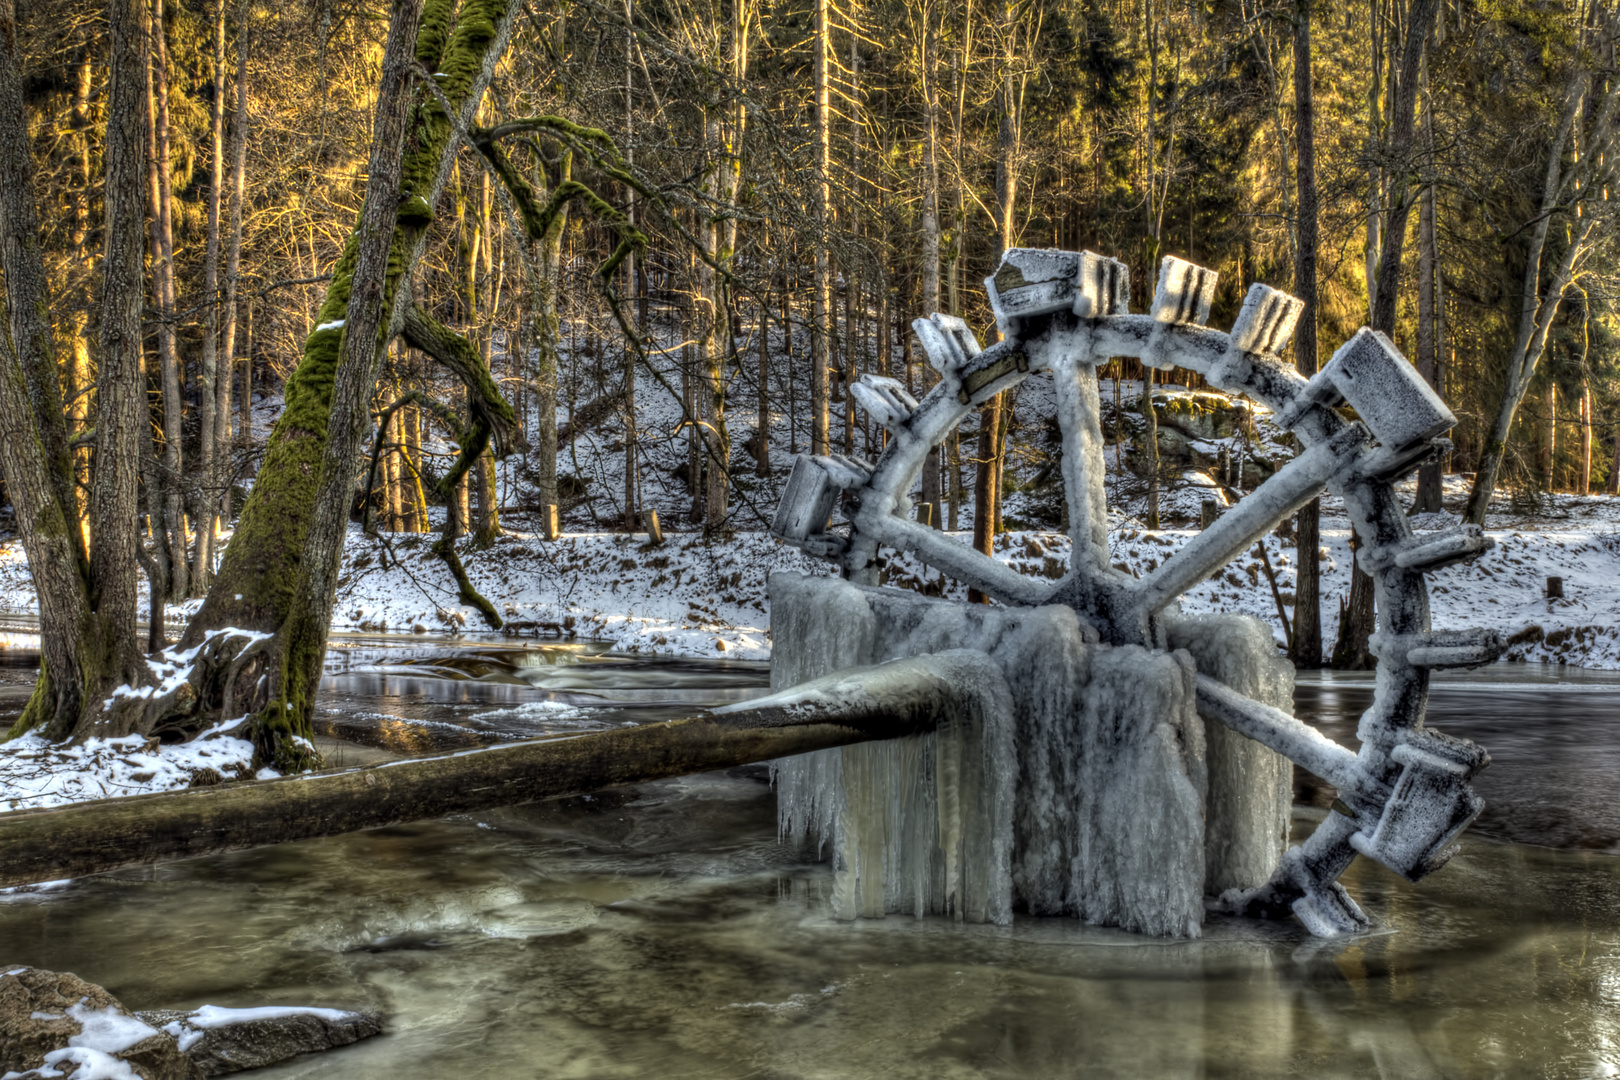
661 931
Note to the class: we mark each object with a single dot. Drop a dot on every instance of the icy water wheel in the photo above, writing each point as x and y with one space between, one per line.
1404 797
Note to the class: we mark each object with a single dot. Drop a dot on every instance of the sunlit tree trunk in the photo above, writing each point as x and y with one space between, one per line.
821 315
1307 643
164 295
987 485
205 506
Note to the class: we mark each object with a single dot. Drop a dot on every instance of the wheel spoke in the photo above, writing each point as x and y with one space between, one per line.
1294 485
1292 738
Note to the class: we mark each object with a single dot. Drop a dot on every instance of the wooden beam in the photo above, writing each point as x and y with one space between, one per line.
904 697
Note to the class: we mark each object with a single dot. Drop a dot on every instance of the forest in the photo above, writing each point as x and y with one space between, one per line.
444 243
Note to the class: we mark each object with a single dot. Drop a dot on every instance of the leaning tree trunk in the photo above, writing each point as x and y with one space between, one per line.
277 560
1542 293
374 292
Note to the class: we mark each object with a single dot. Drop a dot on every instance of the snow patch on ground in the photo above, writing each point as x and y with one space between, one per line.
685 596
35 773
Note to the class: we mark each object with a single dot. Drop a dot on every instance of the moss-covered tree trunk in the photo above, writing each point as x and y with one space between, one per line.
278 564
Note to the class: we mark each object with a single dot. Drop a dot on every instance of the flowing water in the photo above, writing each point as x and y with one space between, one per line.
661 931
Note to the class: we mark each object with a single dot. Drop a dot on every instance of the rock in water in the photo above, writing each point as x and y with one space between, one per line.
53 1024
56 1026
223 1041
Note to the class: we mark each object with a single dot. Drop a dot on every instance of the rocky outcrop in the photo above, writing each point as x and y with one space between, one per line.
1201 414
223 1041
56 1026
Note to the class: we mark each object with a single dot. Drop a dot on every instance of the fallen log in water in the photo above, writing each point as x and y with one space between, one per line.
905 697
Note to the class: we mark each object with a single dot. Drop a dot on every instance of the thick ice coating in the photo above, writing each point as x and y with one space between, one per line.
1111 812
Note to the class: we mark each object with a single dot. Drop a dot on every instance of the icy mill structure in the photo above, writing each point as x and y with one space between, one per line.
1133 767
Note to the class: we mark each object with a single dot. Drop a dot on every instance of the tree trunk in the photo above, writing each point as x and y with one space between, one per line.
987 484
1429 340
205 506
1356 627
820 328
904 698
294 666
728 185
120 397
1150 446
1583 482
108 653
1539 300
542 262
1402 119
930 172
1306 647
164 296
762 427
280 567
81 372
1549 453
233 269
393 504
34 459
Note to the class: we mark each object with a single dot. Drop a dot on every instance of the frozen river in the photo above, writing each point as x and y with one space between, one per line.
661 931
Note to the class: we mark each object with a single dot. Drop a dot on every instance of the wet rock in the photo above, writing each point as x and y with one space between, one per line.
223 1041
1201 415
54 1024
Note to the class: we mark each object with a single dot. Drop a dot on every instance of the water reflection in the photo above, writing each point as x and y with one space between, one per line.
417 697
1552 733
662 932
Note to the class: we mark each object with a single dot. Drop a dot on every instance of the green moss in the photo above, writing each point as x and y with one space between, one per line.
416 211
433 32
38 709
262 562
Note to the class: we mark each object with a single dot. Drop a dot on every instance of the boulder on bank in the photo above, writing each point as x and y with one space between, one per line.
56 1026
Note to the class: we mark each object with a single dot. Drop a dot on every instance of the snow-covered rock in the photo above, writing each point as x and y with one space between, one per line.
223 1041
55 1025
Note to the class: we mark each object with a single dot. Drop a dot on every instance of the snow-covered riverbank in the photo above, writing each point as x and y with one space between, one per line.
688 597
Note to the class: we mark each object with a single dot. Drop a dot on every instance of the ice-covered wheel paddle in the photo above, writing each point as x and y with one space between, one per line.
1405 796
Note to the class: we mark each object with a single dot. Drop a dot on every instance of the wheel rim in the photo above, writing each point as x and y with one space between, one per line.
1404 796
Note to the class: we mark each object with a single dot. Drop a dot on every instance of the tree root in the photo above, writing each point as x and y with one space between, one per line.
184 688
